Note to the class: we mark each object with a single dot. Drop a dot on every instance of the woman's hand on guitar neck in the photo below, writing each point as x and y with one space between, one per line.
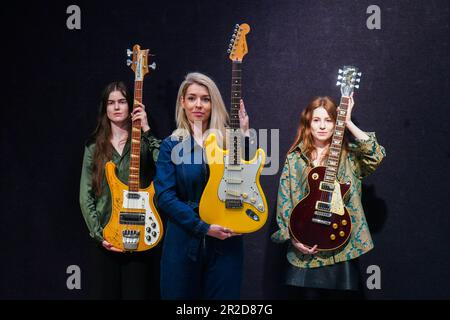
304 249
140 114
243 119
109 246
220 232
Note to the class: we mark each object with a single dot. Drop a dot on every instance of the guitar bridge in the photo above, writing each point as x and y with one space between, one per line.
320 221
130 239
233 204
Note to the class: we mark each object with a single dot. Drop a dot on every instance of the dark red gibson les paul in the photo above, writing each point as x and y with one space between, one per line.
321 218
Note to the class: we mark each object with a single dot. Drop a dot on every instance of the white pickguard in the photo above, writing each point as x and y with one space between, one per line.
337 205
247 190
152 228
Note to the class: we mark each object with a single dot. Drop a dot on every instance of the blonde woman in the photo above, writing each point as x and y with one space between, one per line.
199 261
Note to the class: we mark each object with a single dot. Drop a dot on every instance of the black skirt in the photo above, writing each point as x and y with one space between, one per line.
339 276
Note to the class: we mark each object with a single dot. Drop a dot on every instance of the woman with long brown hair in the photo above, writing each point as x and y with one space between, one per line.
124 275
308 267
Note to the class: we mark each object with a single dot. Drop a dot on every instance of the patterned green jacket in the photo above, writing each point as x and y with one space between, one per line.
362 159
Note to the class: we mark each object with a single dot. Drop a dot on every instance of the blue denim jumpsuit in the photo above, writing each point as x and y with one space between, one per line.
193 264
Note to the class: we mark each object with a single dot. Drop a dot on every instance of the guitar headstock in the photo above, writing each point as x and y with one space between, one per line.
348 79
238 44
139 64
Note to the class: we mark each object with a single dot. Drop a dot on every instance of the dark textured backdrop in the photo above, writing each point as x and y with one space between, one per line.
54 77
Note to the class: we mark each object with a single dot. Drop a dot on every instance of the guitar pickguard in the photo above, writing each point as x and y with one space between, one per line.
241 184
337 204
139 202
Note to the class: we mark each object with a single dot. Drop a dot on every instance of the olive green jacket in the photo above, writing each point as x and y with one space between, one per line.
97 210
362 159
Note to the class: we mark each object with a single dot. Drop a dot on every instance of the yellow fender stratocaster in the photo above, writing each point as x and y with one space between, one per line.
233 196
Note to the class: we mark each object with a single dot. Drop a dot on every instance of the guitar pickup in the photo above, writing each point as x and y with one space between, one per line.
326 186
322 214
323 206
131 195
234 181
132 218
233 193
231 167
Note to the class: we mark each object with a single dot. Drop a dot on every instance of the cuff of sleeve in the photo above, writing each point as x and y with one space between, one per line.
201 228
369 145
147 133
280 236
97 236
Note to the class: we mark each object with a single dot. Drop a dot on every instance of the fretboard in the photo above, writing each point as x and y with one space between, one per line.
332 163
234 136
133 178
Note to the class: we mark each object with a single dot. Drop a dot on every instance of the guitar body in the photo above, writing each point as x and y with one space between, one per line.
135 224
321 218
218 207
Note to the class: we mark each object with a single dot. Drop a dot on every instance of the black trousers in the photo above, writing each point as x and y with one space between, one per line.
127 276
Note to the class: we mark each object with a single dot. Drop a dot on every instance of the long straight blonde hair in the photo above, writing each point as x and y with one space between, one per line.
219 116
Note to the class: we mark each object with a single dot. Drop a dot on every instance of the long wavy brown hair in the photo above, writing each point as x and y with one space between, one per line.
102 134
304 129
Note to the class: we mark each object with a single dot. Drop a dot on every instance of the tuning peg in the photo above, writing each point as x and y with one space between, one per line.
236 26
129 62
229 50
340 77
340 71
234 36
153 65
129 52
358 80
357 86
338 83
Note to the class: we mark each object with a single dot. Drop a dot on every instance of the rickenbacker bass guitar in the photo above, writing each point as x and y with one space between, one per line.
321 218
135 224
233 196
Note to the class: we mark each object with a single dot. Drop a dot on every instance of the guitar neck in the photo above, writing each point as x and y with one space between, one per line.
133 178
332 163
236 93
234 137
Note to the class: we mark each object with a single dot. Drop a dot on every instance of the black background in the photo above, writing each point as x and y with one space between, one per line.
53 77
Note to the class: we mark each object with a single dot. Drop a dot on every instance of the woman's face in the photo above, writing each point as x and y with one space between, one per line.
117 107
197 104
322 125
